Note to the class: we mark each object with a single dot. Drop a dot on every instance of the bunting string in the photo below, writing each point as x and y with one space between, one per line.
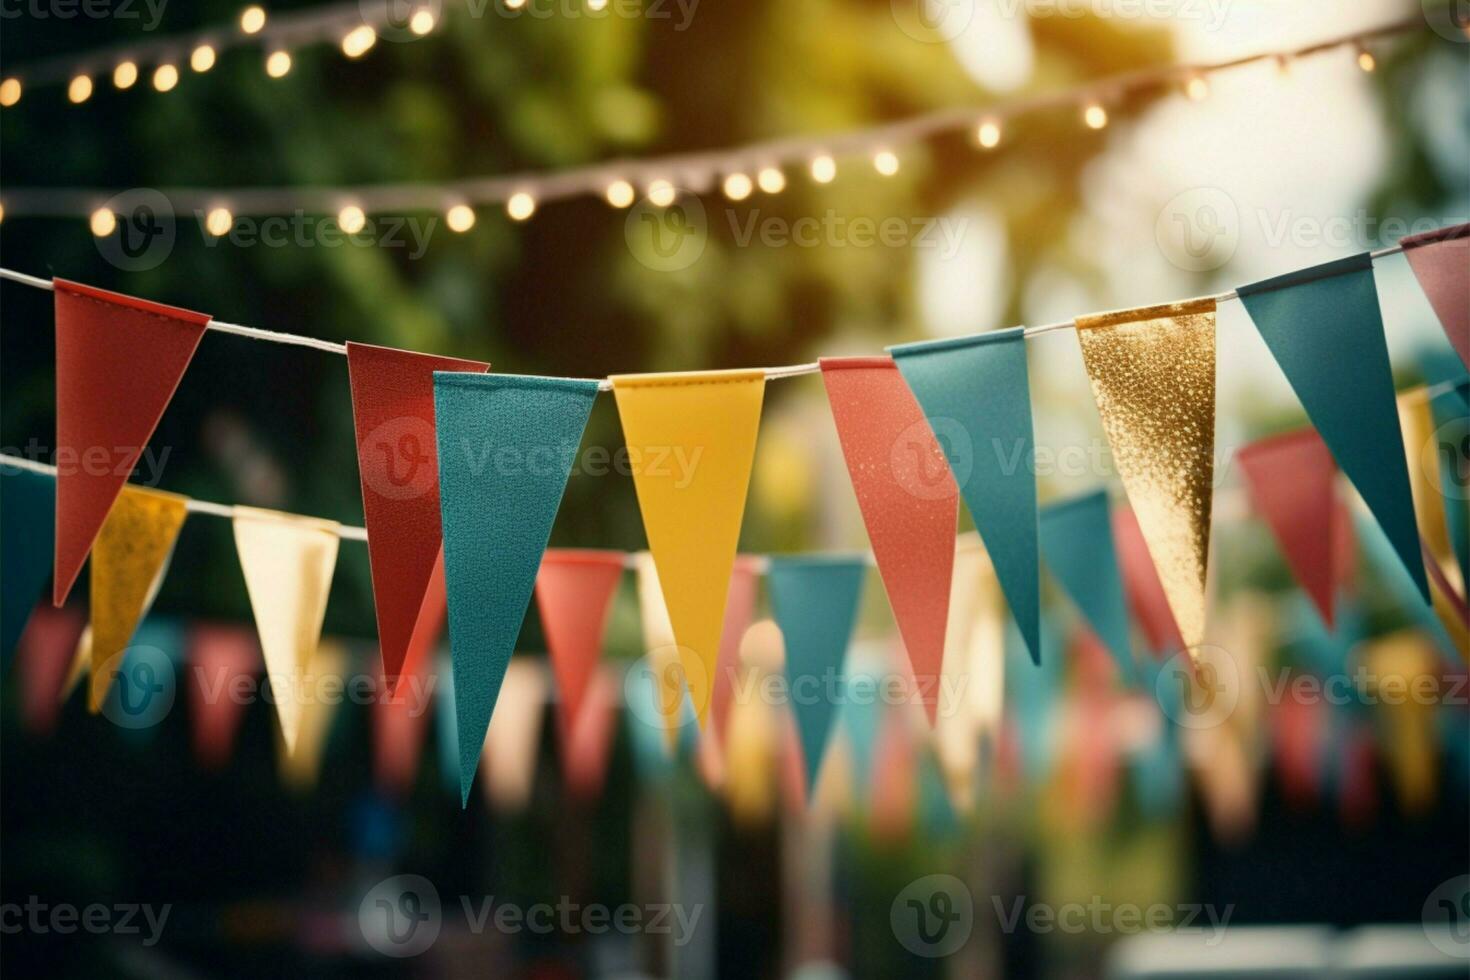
737 171
605 384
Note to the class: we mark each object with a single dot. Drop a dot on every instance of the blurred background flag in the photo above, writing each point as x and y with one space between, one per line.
574 593
1077 538
27 526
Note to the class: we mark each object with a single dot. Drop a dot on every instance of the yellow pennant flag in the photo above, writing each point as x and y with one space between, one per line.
691 443
129 559
509 753
288 563
322 693
1153 376
1424 481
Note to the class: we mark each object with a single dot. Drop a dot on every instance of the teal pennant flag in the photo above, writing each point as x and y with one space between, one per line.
1077 539
977 398
506 448
815 599
27 531
1324 328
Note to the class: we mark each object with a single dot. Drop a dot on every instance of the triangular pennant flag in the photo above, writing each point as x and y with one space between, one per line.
129 559
1153 377
1291 480
585 758
1441 262
1323 327
27 525
978 399
400 722
667 695
398 464
574 593
514 736
908 498
815 599
739 609
506 447
118 362
692 437
219 658
43 658
301 764
288 563
1423 460
1077 538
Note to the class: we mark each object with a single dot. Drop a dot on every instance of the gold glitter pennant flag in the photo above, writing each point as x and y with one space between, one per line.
1153 375
129 559
288 563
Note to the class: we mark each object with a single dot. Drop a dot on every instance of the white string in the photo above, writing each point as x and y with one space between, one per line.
604 384
695 172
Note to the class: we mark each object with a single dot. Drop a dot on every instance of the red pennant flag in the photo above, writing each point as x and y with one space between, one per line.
400 721
43 657
584 764
1141 581
1291 479
118 361
1299 727
574 592
739 610
1441 262
219 656
908 498
398 464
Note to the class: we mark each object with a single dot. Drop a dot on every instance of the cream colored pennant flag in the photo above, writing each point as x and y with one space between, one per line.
288 563
321 690
510 751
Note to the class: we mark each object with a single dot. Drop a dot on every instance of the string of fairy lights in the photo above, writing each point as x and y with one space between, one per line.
737 173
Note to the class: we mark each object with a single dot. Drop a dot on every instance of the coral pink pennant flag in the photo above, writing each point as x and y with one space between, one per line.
222 659
584 764
118 362
398 464
1291 480
400 722
739 610
43 659
574 592
1441 262
1141 581
909 500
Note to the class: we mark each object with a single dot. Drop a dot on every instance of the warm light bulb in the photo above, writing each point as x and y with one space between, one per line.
165 77
252 19
596 5
80 89
771 180
661 193
1366 61
520 206
278 64
351 219
989 134
460 218
422 21
359 41
103 222
9 92
737 186
1197 88
514 4
885 162
1095 116
219 221
620 193
201 59
125 74
824 169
